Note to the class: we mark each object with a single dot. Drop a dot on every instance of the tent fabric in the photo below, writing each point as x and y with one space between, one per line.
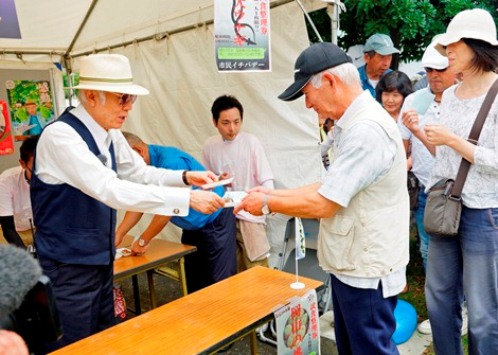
180 72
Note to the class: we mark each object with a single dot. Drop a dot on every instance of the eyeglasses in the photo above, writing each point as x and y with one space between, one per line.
125 98
430 70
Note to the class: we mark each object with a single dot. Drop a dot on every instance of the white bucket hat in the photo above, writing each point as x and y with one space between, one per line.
432 58
108 72
475 24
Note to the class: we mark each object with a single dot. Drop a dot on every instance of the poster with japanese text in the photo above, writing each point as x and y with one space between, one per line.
31 106
298 328
6 139
242 35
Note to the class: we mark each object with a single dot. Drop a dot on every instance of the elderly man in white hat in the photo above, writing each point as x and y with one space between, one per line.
83 171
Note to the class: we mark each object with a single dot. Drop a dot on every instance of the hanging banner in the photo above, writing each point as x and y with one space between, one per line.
6 139
9 23
242 35
298 328
31 106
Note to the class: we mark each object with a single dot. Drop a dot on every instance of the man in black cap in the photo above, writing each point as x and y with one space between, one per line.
362 201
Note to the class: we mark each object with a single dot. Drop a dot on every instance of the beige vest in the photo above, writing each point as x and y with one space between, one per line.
370 238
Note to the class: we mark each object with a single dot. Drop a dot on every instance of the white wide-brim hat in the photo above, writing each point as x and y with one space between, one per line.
108 72
475 24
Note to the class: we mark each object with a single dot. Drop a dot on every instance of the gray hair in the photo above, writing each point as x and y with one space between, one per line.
82 98
347 72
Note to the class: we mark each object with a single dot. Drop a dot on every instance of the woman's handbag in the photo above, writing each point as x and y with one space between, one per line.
444 200
442 210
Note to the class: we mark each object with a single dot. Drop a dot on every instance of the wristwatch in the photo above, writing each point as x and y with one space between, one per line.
265 209
142 242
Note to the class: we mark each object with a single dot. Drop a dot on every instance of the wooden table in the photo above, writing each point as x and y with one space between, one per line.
201 322
160 252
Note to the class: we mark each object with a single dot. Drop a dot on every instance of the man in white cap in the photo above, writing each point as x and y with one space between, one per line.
362 201
378 55
83 171
419 109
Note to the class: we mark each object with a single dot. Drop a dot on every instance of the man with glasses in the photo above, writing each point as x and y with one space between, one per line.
15 203
83 171
421 108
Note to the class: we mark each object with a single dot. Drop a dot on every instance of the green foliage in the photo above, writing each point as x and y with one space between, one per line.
410 23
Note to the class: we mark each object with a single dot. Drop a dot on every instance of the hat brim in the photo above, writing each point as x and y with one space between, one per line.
449 38
387 51
294 92
131 89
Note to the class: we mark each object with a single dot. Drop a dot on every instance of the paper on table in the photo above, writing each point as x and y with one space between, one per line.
422 100
122 252
233 198
217 183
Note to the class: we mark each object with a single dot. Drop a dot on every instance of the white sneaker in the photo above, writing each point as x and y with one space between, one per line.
425 327
465 321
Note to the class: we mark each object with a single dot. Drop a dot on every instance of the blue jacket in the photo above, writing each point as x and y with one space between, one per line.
72 227
365 84
176 159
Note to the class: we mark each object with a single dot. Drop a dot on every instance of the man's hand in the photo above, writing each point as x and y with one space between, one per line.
262 189
137 249
199 178
411 120
205 201
252 203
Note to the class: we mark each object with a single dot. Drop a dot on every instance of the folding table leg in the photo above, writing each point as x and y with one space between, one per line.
136 294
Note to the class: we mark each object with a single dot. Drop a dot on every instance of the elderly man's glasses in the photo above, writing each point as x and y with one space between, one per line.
125 98
430 70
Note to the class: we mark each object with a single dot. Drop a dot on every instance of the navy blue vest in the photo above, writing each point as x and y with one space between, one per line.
72 227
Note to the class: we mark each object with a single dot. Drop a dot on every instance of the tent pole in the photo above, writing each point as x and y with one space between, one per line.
82 26
310 21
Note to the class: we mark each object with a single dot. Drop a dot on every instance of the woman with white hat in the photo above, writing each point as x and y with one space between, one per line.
468 263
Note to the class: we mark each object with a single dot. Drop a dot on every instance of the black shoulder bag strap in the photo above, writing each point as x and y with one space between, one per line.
475 132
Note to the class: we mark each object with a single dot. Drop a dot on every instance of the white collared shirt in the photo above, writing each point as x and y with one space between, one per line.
62 156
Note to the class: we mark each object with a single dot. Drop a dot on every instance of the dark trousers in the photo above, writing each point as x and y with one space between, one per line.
364 320
216 257
84 299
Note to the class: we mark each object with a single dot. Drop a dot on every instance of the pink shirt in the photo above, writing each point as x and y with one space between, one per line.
244 158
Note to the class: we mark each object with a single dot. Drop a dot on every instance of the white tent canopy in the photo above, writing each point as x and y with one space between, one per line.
171 49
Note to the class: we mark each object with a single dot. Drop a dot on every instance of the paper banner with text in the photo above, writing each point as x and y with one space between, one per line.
298 328
242 35
6 138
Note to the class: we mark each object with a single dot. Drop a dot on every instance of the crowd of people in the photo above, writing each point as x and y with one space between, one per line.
378 126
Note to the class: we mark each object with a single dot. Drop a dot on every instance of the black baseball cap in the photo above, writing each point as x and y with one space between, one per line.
314 59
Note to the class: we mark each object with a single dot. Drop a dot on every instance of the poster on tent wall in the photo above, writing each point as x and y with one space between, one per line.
298 330
6 139
242 35
31 106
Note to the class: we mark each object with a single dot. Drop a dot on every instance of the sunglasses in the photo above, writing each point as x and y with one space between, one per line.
430 70
125 98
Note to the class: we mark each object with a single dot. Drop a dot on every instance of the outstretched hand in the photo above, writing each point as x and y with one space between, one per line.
252 203
205 201
199 178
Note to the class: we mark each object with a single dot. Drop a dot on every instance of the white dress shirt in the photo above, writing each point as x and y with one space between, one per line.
62 156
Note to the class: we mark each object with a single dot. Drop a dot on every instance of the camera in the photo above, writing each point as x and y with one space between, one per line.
36 320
